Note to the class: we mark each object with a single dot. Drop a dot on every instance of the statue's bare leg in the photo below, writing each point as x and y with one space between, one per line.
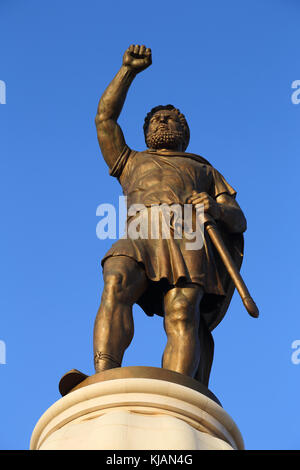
124 282
181 322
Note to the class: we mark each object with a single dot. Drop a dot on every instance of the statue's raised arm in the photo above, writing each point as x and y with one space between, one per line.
110 135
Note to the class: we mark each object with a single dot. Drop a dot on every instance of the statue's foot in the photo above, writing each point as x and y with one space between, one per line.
104 361
70 380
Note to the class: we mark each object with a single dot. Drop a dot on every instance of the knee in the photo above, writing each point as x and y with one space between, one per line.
114 287
180 315
119 288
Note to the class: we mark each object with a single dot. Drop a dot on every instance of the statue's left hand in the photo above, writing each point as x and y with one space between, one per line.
210 205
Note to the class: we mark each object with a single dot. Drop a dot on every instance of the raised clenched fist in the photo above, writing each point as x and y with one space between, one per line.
137 58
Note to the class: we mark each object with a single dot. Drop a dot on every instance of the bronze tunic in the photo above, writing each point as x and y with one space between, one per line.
158 177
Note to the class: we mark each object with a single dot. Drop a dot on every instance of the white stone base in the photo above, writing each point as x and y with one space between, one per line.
136 413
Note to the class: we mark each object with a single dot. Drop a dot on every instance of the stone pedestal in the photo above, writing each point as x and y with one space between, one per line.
137 408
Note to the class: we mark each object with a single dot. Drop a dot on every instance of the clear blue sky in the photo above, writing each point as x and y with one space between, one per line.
229 67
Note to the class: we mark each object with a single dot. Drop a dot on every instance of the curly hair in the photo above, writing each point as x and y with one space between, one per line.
181 117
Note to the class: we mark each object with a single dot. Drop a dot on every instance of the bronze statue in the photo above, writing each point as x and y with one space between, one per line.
191 289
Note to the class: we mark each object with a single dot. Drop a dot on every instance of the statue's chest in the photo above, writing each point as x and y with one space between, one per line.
165 173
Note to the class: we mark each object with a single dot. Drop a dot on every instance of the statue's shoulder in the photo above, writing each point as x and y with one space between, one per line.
172 153
198 158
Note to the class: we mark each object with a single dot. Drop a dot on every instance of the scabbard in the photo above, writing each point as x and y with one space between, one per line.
214 234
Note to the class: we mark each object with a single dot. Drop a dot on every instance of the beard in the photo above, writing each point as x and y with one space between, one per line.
165 139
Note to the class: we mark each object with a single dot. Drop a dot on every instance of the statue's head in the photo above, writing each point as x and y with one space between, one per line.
165 127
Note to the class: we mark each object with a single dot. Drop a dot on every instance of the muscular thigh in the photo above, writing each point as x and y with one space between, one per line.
124 277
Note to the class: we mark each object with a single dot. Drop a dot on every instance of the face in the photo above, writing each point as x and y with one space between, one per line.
165 131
